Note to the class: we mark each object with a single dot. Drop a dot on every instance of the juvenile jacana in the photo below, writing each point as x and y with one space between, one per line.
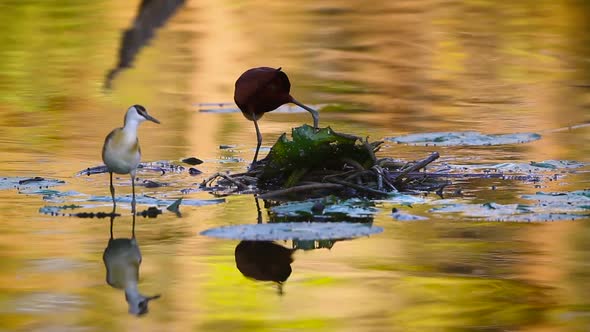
263 89
121 153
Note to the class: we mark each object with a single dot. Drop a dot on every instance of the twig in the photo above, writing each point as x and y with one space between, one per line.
382 176
325 178
370 150
212 178
416 166
359 187
237 183
358 174
296 189
353 163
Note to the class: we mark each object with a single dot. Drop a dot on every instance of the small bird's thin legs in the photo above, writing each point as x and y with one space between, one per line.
113 191
133 227
314 114
112 219
259 140
259 217
133 191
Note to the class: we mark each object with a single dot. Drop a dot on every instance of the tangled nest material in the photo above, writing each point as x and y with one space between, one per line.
319 163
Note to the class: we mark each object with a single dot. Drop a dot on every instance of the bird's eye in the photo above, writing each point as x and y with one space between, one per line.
140 110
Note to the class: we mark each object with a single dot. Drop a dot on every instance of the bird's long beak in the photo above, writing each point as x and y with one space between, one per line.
151 118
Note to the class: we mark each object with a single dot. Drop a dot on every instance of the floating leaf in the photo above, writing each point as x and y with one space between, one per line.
192 161
402 216
560 201
175 207
193 171
293 231
403 199
548 207
329 208
24 183
162 166
146 200
464 138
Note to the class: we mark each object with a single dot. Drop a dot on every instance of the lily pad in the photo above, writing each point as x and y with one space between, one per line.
288 160
192 161
161 166
146 200
464 138
533 166
175 207
330 208
403 216
28 183
293 231
403 199
560 201
547 207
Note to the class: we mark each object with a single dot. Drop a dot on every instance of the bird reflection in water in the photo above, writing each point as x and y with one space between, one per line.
122 258
264 261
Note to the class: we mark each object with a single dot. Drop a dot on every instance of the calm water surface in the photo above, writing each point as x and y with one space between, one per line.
393 67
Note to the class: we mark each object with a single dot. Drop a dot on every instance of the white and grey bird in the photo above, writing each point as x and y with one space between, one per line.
121 152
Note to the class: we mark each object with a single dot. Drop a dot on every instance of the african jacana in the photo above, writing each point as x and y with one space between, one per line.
263 89
121 153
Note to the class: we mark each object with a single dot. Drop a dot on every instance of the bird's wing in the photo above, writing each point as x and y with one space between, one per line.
255 80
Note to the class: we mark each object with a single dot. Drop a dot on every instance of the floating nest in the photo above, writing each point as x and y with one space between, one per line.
323 162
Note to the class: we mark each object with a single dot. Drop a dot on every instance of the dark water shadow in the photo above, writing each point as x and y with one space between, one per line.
269 261
151 15
264 261
122 259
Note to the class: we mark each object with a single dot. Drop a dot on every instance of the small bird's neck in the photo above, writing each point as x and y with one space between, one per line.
130 128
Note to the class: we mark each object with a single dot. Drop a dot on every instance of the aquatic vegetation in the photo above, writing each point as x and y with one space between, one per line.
28 183
296 230
547 207
323 162
330 208
464 138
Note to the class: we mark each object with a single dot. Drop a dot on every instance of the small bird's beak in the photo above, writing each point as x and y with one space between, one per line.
152 119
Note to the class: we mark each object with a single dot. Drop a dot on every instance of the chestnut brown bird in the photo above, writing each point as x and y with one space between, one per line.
264 89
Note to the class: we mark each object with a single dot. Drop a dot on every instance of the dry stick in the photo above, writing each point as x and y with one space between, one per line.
357 174
379 171
237 183
418 165
209 179
325 178
370 150
305 187
221 175
359 187
353 163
